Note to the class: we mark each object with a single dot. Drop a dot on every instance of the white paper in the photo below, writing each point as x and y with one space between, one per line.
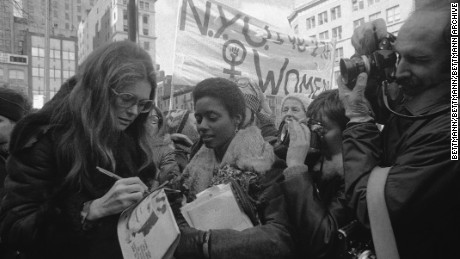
216 208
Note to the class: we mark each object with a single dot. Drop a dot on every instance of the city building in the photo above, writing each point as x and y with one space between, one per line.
108 21
22 34
62 65
337 19
14 71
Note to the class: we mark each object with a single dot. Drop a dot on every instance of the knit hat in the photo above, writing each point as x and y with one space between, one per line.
253 96
302 98
182 121
13 105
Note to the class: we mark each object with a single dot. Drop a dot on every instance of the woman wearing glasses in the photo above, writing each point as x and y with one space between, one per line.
58 205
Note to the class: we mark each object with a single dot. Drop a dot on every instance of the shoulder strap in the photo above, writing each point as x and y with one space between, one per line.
381 229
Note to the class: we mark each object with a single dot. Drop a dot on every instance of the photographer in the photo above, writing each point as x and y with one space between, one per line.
422 188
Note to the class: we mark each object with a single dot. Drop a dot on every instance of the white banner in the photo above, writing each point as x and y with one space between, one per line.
214 40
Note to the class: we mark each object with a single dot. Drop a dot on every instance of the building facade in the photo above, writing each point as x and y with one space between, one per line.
337 19
108 21
22 33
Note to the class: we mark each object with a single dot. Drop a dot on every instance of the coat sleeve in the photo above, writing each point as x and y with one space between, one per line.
272 239
316 217
422 179
361 153
30 216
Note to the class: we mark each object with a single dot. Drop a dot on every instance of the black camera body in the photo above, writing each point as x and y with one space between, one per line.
380 65
316 139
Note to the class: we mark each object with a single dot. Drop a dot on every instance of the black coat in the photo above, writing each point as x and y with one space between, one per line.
40 215
422 190
300 219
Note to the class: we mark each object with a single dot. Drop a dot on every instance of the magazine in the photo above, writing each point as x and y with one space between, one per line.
148 230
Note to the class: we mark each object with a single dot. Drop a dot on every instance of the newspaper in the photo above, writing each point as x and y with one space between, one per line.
216 208
148 230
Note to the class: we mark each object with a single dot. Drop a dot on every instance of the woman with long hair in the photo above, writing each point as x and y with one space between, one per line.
58 204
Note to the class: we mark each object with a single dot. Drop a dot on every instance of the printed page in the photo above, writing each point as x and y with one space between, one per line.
148 229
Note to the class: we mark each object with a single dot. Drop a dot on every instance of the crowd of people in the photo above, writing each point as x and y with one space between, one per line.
300 183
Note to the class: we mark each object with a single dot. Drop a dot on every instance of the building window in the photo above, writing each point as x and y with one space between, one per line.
78 8
322 18
324 35
125 15
338 54
67 17
67 26
393 14
141 5
67 6
313 37
337 33
55 13
311 23
38 52
357 4
79 18
336 13
16 74
147 6
374 16
357 23
145 31
146 45
371 2
145 19
1 73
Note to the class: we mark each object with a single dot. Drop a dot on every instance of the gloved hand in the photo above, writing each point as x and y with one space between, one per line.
190 244
299 143
357 107
366 37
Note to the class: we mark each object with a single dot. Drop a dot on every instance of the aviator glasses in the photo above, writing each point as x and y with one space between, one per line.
128 100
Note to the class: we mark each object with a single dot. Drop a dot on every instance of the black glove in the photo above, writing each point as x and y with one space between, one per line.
191 243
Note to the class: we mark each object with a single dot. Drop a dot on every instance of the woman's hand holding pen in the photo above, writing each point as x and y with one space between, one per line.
124 193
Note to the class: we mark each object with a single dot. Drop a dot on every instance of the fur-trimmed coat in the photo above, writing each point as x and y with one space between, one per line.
247 160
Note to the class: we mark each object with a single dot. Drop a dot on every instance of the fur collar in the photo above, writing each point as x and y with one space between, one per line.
247 152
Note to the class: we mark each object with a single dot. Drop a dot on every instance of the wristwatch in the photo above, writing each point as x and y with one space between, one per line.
85 223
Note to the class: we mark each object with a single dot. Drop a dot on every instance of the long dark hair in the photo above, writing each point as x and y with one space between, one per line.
86 113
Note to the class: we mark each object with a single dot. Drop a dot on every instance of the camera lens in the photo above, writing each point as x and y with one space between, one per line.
351 68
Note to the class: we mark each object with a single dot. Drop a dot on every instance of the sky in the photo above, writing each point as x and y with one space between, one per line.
271 11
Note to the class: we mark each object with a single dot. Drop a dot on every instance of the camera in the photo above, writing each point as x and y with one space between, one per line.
380 65
317 133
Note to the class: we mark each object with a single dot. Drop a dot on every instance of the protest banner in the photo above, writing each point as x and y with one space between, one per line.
214 40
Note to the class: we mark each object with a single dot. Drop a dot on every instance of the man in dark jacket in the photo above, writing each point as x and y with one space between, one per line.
422 188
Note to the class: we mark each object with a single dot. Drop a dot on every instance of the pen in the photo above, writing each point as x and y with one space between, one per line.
108 173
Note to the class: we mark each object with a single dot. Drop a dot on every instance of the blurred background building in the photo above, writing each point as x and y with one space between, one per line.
337 19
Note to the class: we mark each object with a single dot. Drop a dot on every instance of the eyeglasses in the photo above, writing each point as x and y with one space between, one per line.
128 100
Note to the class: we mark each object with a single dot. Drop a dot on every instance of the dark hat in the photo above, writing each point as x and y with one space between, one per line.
13 105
